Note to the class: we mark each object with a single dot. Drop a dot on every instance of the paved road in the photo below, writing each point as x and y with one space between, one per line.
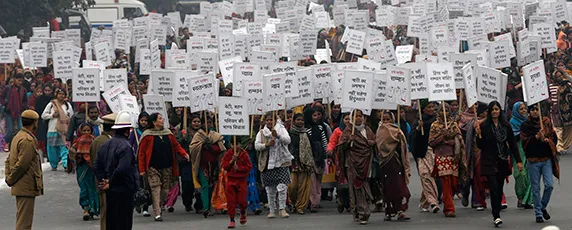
58 209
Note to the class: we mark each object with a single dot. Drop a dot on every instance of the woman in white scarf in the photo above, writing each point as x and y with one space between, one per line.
274 161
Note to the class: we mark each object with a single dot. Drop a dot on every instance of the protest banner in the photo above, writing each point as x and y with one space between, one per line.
535 83
369 65
97 65
355 41
155 104
499 55
160 83
114 77
490 85
274 95
203 92
244 72
337 81
380 92
7 49
358 90
291 80
111 97
176 59
307 42
226 68
38 54
322 81
207 62
102 53
459 61
85 82
63 65
180 88
305 88
403 54
547 35
399 83
419 85
145 65
233 116
253 90
129 103
470 83
441 81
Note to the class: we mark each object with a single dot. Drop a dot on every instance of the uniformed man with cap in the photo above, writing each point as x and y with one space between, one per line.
108 122
24 170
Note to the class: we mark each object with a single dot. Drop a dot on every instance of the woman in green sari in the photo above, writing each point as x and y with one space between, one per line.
522 186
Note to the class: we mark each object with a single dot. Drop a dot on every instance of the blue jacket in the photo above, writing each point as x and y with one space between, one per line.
116 162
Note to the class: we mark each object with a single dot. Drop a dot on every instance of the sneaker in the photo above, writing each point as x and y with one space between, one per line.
170 209
435 208
504 206
497 222
465 201
528 206
481 208
271 215
363 222
85 215
283 213
539 219
232 224
158 218
146 214
545 214
243 219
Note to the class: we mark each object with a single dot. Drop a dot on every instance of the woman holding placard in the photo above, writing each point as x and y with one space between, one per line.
274 160
302 164
449 149
356 149
319 136
496 140
539 144
522 185
57 113
395 169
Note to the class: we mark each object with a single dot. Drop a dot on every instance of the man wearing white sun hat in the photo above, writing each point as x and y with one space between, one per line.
115 168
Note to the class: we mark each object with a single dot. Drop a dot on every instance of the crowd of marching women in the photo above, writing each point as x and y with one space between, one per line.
295 158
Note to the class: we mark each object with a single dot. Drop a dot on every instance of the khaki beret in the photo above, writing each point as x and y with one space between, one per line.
109 118
30 114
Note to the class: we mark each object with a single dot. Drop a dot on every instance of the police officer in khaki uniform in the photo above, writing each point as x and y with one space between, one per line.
108 122
24 170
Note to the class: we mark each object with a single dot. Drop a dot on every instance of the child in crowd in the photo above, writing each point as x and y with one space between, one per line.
237 164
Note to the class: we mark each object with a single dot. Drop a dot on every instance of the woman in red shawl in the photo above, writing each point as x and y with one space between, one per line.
356 151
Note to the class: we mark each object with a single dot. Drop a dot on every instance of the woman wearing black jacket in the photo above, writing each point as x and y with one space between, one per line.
496 140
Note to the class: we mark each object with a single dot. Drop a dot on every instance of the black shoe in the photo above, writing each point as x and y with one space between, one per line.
170 209
465 201
545 214
257 212
539 220
206 213
527 206
504 206
158 218
497 222
340 208
519 204
188 209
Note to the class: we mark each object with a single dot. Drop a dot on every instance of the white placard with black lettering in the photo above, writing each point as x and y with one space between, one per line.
380 92
180 87
244 71
291 81
145 65
470 83
499 55
160 83
111 97
535 83
226 68
233 116
203 91
399 82
85 84
274 97
7 51
38 54
155 104
441 80
358 90
419 86
459 61
355 41
403 54
489 82
63 65
322 81
253 90
102 53
305 88
176 59
207 62
129 103
114 77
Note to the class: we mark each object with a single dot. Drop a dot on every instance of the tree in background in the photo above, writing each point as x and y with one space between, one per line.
19 16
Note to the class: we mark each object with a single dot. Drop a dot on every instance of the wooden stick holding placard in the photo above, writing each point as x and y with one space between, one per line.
216 119
460 101
420 115
398 116
206 121
540 116
185 118
234 144
251 125
86 113
476 115
353 126
445 114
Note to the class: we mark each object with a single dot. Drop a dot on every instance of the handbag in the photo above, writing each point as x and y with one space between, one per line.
63 121
142 195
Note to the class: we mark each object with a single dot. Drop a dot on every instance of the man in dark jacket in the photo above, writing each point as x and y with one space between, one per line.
15 101
116 171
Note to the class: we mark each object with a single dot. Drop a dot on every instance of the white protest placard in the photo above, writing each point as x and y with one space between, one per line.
489 82
470 83
85 84
102 53
203 92
180 88
355 41
358 90
399 82
535 82
155 104
419 85
508 37
305 88
291 80
145 65
322 81
253 91
369 65
160 83
207 62
308 42
380 92
441 80
233 116
388 58
7 49
244 71
176 59
111 97
546 33
114 77
159 33
97 65
38 54
129 103
226 68
63 65
274 97
459 61
403 54
499 55
322 55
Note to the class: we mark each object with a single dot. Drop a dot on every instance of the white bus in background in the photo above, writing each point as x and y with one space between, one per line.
105 12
